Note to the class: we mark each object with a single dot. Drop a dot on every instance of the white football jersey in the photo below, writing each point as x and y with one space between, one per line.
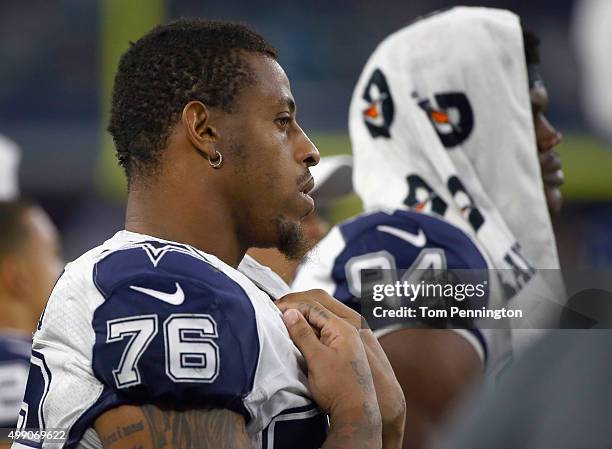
400 240
139 320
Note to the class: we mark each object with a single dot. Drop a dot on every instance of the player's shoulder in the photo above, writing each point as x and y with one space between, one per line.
391 239
193 314
129 258
372 223
132 274
159 264
405 234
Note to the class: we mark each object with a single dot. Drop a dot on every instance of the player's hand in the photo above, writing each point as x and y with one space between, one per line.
315 298
339 375
337 349
388 390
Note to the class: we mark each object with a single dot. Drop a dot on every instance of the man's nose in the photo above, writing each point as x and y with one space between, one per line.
307 153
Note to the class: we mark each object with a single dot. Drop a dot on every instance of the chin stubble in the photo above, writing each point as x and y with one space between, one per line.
291 240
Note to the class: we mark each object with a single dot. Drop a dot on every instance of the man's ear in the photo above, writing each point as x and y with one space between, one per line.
196 119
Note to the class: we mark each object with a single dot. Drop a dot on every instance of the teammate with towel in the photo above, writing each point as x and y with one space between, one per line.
453 161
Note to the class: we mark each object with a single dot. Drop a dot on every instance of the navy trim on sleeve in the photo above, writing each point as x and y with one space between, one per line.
173 331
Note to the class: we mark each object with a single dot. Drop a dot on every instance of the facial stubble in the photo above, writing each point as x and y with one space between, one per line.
291 241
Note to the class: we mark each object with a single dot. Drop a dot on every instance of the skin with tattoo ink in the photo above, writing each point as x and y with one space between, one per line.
151 427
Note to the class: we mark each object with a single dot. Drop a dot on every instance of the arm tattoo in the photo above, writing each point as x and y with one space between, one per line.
365 381
172 429
121 432
314 309
345 434
191 429
353 434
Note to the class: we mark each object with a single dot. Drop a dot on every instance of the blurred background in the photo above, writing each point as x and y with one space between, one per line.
57 60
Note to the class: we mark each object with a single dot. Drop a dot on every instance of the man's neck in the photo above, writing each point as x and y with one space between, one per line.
163 213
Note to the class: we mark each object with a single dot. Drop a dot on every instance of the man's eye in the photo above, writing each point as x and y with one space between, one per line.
284 121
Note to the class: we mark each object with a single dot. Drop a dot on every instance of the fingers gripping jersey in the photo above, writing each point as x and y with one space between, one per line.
140 320
391 240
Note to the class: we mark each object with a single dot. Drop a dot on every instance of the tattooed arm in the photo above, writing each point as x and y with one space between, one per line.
348 396
150 427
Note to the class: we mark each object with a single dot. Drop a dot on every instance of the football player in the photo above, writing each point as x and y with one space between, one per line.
30 263
154 339
431 197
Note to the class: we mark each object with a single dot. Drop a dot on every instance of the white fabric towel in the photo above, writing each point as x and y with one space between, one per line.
444 103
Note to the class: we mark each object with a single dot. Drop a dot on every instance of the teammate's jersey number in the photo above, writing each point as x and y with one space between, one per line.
384 266
191 353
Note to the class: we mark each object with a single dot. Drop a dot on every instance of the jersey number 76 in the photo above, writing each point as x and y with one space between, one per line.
191 353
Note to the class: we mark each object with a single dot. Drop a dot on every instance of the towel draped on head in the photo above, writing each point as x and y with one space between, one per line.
440 122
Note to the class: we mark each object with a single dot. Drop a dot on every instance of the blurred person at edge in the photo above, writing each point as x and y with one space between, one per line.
30 263
10 156
556 395
592 35
447 115
332 177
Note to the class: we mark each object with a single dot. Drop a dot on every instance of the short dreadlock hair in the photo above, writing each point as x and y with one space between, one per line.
173 64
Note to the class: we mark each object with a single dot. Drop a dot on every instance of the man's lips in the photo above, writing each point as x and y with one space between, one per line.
308 186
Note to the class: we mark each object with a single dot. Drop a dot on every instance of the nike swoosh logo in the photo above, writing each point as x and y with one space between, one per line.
176 298
417 240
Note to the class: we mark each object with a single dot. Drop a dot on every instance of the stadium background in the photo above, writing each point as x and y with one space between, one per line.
58 59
